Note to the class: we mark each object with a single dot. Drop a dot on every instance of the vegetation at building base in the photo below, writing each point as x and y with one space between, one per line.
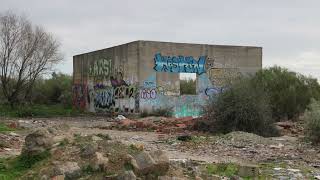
312 118
253 103
243 107
290 93
165 112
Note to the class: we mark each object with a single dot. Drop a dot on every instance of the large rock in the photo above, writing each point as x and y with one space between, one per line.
89 150
37 142
99 162
149 163
128 175
161 159
70 170
169 178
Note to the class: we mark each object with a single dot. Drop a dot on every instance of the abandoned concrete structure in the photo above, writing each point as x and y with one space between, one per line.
144 75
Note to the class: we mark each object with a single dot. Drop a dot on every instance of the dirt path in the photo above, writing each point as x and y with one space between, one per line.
150 141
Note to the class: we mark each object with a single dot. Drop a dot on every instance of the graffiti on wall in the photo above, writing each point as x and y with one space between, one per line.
100 69
221 74
103 97
111 90
148 93
79 93
179 64
113 98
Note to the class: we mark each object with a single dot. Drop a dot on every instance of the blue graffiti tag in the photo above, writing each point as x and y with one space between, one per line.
179 64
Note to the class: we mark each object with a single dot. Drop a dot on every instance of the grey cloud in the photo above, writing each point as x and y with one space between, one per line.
285 29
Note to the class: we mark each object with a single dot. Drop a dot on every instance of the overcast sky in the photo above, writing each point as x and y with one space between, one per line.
288 30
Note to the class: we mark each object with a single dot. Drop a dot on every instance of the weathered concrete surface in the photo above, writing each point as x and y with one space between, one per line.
144 75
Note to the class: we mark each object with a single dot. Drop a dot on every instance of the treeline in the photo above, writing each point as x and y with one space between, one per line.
55 90
48 97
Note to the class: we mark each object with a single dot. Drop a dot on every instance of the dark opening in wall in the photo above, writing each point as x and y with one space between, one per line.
188 83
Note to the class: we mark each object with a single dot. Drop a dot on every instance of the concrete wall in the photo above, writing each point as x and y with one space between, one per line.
144 75
107 80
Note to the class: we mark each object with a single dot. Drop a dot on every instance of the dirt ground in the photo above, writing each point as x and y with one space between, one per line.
286 152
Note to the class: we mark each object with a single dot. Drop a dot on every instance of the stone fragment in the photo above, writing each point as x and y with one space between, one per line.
99 161
89 150
149 163
169 178
128 175
71 170
37 142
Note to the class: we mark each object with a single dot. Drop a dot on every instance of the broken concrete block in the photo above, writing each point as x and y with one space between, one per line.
128 175
148 163
37 142
70 169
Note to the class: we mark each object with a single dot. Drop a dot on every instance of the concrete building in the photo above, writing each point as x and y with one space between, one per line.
144 75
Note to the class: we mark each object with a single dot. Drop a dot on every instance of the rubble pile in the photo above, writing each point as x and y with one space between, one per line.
158 124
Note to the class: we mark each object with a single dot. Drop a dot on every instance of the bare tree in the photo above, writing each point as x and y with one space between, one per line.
26 53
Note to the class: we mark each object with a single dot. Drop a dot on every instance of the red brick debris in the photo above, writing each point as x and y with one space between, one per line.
158 124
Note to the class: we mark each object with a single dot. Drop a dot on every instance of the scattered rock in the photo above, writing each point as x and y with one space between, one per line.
279 146
111 177
294 170
120 117
285 124
155 162
96 138
59 177
99 161
143 163
37 142
161 159
128 175
89 150
169 178
214 177
14 134
71 170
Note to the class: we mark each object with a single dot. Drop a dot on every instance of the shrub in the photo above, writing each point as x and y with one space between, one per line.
312 118
242 107
56 90
188 86
289 92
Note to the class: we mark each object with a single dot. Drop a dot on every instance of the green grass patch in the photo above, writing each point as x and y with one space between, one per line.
222 169
5 128
38 111
13 168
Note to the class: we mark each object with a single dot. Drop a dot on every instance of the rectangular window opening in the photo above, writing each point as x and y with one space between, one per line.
188 85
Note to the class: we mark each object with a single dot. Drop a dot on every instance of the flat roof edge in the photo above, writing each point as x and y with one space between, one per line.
137 41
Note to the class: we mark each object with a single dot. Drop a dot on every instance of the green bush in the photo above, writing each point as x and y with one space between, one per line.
242 107
312 118
37 110
56 90
188 86
289 92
